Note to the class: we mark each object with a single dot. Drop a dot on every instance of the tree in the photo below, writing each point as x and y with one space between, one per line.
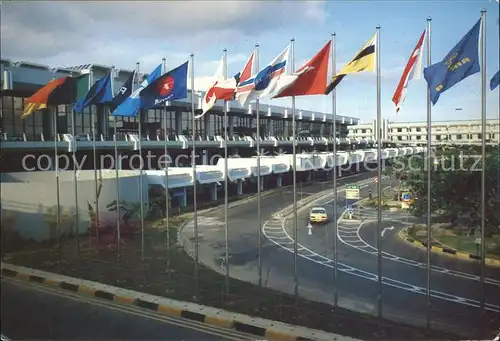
128 211
456 186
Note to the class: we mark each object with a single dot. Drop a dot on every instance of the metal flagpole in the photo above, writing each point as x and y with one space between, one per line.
58 196
259 213
75 182
379 177
94 156
294 172
429 164
141 183
193 164
56 166
167 193
483 151
226 184
117 175
335 197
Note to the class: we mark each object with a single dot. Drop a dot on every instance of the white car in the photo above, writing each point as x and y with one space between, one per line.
318 215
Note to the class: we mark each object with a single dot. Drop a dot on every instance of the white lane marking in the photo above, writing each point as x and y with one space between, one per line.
407 261
410 262
387 229
324 261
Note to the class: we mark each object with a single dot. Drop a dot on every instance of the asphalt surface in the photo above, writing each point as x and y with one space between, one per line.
406 302
356 282
30 312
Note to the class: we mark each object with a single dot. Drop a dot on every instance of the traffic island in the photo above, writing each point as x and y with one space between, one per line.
454 242
168 271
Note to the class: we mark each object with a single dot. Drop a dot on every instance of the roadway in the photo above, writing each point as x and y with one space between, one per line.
31 311
454 284
403 292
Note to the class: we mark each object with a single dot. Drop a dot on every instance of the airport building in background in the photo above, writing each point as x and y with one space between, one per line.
454 132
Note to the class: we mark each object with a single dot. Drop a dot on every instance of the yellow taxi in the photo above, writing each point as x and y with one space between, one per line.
318 215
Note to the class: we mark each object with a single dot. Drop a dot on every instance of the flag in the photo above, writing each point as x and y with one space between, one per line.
461 62
267 80
170 86
64 90
220 88
99 93
363 61
495 80
245 81
310 79
124 92
132 104
411 71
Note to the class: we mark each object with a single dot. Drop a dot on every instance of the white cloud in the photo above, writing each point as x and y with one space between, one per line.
112 32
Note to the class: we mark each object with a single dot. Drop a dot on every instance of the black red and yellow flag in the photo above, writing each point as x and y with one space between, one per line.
363 61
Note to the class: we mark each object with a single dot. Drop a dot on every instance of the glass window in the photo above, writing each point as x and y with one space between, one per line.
7 116
38 124
86 123
18 123
18 103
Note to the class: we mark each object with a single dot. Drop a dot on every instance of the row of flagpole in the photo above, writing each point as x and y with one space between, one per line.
258 159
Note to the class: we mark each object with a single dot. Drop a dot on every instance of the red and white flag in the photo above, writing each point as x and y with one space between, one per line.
310 79
412 71
220 88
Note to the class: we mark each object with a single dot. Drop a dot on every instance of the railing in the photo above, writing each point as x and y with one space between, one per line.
177 137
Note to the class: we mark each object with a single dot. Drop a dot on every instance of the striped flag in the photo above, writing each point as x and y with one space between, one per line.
363 61
221 88
412 71
64 90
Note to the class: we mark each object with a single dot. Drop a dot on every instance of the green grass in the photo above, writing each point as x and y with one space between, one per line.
449 238
468 244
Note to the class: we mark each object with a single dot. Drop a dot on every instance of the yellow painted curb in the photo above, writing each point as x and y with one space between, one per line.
270 333
459 255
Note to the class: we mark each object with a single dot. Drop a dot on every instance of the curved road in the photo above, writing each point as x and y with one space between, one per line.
404 290
34 312
455 285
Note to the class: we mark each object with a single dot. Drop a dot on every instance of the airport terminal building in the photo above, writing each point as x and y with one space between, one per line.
31 146
22 79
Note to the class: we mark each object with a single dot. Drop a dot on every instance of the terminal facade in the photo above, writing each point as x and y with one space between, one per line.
174 123
21 79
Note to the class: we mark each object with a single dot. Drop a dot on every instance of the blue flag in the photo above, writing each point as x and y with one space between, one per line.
132 104
495 80
124 92
171 86
461 62
99 93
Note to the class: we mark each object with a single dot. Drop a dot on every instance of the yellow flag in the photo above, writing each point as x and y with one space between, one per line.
363 61
29 108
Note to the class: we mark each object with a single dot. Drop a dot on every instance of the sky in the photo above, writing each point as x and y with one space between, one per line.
61 34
